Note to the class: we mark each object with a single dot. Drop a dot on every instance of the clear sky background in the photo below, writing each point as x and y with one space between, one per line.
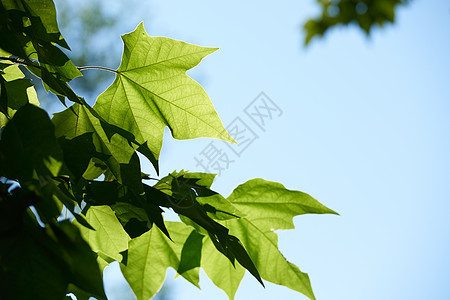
365 129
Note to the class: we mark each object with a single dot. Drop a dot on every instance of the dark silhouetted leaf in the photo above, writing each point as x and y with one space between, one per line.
81 261
28 142
191 253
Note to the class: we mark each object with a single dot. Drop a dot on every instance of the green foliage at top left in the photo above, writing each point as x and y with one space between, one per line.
85 161
30 32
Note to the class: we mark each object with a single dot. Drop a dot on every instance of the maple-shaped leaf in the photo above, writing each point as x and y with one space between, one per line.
152 91
152 253
267 206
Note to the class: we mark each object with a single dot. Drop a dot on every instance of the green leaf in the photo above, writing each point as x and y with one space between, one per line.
4 53
29 31
10 71
78 152
44 260
95 168
46 205
267 206
108 237
79 120
191 253
81 261
13 205
218 208
28 142
200 183
17 90
104 261
183 203
152 91
151 254
42 14
182 199
201 179
31 264
134 220
107 193
66 198
136 212
11 28
54 83
219 269
20 92
3 98
271 206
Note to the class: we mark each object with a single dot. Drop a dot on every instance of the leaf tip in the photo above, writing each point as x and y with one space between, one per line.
140 26
330 211
225 136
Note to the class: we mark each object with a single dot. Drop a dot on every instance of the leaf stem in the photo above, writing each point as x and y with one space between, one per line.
96 67
150 178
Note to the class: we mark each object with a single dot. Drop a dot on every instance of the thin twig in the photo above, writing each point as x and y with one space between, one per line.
96 67
15 60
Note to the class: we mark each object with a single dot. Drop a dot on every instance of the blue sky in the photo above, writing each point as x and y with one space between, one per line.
364 129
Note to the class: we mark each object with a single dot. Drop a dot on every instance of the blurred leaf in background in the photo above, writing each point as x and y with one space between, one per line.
364 13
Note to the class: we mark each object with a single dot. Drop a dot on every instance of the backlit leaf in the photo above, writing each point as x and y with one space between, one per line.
108 235
152 91
151 254
267 206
